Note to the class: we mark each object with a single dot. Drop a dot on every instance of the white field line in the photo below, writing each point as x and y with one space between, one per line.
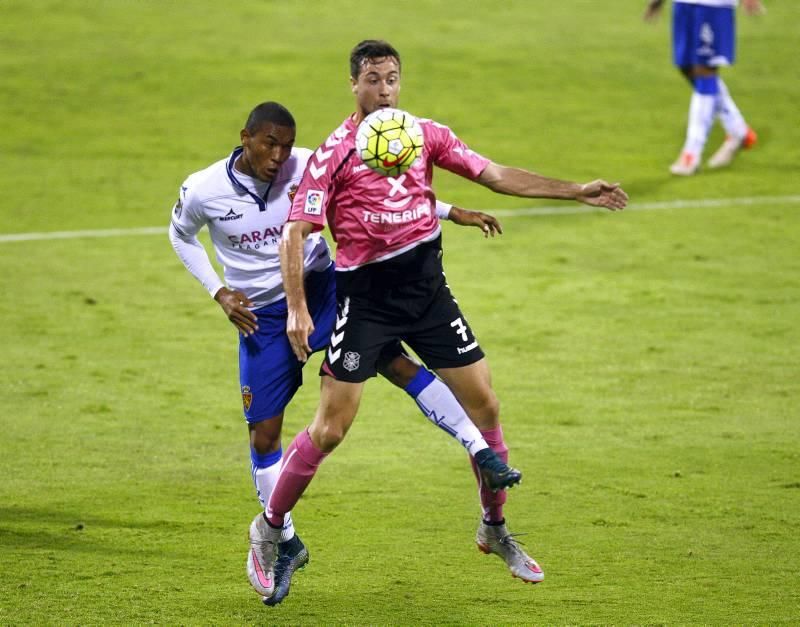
31 237
503 213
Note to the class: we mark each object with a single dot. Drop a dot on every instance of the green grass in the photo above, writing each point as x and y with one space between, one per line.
646 361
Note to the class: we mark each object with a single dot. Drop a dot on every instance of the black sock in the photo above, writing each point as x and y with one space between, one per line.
495 523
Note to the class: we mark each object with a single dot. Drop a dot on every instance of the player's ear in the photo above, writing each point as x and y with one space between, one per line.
244 136
353 85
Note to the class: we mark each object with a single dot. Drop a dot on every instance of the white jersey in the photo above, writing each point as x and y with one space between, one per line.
711 3
245 218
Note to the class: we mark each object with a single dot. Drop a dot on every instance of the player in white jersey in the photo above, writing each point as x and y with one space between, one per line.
390 286
243 201
703 40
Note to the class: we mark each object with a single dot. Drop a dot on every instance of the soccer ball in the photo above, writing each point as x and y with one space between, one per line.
389 141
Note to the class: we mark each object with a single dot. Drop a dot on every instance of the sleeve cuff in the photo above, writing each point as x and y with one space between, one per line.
443 210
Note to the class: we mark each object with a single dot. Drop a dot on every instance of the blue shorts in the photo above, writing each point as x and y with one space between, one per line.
269 373
703 35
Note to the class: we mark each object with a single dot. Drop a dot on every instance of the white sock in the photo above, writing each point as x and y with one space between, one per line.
729 115
701 114
701 117
440 406
265 478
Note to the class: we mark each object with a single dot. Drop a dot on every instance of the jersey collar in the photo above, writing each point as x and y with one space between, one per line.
241 187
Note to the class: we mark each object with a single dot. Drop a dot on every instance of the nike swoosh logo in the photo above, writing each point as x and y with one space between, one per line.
399 159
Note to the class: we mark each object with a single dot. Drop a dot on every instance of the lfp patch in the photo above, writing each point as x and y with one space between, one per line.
314 198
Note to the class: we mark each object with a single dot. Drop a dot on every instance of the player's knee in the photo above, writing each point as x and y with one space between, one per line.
265 436
491 408
327 435
265 445
399 371
699 71
337 408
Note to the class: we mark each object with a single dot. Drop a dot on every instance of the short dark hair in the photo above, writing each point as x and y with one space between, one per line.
269 112
370 49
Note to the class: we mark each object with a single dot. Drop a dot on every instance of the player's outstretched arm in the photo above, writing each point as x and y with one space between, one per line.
519 182
299 325
484 221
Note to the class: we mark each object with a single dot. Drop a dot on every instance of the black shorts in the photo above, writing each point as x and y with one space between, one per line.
422 313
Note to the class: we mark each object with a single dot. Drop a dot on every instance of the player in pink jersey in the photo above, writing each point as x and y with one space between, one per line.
243 201
391 286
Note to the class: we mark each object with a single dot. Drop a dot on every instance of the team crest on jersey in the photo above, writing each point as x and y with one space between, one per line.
292 191
314 198
351 361
247 397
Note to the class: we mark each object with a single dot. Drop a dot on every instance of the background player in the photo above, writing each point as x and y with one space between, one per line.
244 201
703 40
418 308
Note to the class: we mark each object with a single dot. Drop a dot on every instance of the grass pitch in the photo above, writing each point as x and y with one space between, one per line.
646 361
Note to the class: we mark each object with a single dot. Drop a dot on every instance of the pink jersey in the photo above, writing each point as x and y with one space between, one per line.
374 217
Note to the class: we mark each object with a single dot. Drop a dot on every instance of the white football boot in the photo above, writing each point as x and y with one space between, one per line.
730 147
261 556
496 539
686 165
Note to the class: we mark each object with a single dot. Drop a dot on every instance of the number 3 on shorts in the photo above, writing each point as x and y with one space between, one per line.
460 327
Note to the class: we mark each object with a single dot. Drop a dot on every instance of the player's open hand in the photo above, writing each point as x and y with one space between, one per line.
235 305
652 10
299 327
753 7
601 194
485 222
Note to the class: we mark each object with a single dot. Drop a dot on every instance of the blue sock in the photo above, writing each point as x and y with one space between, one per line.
707 85
420 381
265 469
266 460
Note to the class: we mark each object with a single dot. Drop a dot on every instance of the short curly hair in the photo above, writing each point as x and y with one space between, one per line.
273 112
370 49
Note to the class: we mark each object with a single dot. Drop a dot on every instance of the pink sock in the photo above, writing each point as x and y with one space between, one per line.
492 502
300 463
